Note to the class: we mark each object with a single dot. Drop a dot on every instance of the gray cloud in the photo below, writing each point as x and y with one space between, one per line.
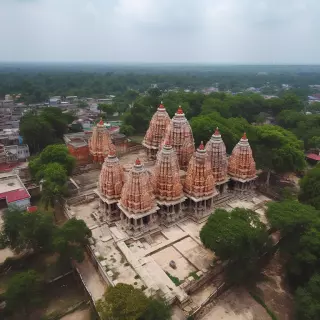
216 31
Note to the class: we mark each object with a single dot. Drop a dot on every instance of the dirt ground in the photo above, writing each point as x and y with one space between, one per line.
236 304
275 292
78 315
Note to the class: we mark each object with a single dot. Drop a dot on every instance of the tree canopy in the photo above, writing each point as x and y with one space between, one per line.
307 300
299 225
24 291
238 237
36 231
123 301
310 187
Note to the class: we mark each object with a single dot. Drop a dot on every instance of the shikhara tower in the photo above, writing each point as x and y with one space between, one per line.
241 166
217 155
100 144
156 131
179 134
168 187
199 186
110 186
137 203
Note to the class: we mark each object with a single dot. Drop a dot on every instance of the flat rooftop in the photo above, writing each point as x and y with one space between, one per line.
12 189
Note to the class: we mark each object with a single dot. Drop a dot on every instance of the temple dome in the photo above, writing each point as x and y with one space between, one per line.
100 144
157 128
199 181
137 193
241 164
179 133
111 178
168 186
217 155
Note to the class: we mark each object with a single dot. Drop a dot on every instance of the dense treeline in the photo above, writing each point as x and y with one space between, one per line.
36 83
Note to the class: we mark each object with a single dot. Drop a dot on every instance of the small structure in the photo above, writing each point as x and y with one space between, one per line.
100 144
168 187
179 133
13 192
109 188
241 166
313 158
137 204
199 186
155 133
217 155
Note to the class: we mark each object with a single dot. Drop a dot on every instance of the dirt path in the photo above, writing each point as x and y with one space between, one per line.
78 315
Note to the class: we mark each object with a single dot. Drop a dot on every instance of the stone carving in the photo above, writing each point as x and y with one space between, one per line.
241 165
168 187
100 144
180 136
155 133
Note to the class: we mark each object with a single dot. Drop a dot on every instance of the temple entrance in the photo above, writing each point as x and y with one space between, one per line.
232 185
146 220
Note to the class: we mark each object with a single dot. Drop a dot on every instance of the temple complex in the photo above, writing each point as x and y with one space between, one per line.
241 166
217 155
168 186
199 186
100 144
156 131
109 187
137 203
179 134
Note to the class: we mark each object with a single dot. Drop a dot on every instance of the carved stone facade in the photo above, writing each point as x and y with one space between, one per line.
100 144
241 166
156 131
179 135
109 187
137 203
168 187
199 186
217 155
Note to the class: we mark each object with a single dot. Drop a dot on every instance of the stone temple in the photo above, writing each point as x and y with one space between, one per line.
100 144
158 126
182 182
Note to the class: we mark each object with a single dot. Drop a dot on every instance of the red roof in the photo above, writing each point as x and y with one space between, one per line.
313 156
32 209
6 167
15 195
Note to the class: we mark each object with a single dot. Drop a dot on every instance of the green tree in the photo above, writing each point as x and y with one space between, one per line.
310 187
69 240
299 225
57 119
284 150
238 237
83 104
54 183
24 292
57 153
108 109
122 301
36 132
157 309
307 300
127 130
24 231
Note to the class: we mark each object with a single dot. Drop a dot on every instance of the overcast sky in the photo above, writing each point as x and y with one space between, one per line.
199 31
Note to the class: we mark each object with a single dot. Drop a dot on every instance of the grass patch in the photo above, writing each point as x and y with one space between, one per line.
175 280
263 304
194 275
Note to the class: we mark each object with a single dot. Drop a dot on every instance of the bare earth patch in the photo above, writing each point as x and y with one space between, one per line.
236 304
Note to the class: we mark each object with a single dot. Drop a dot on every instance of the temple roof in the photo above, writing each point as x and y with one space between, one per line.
111 177
100 144
157 128
137 193
217 155
199 181
241 164
166 173
179 133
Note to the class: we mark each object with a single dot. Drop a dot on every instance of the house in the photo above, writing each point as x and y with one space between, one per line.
13 192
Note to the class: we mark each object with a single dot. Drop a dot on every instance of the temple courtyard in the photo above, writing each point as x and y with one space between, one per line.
146 262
